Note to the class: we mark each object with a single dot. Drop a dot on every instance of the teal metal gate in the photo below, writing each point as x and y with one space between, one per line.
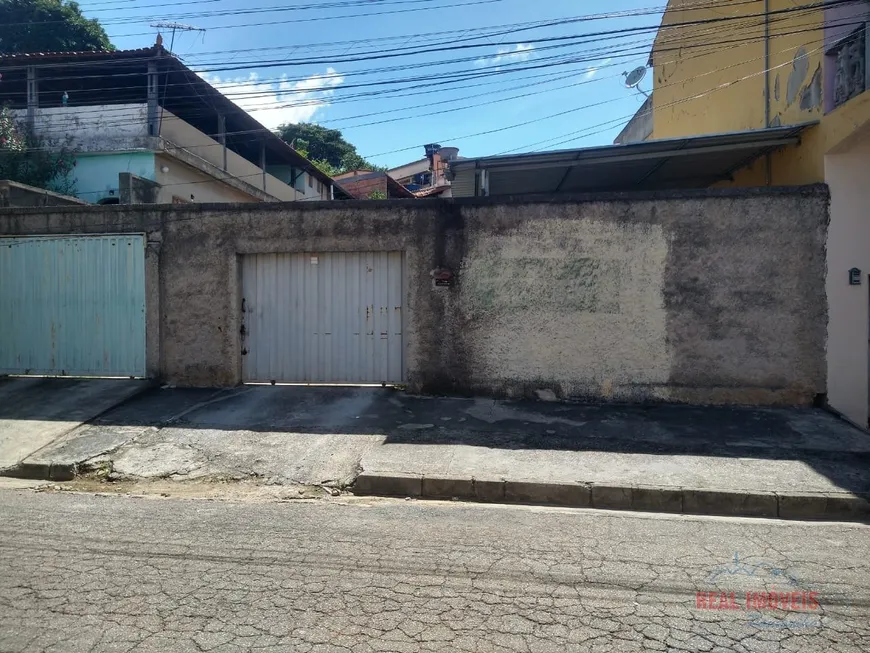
72 305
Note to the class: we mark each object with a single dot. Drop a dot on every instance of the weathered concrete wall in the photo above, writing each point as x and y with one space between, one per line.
699 299
136 190
14 194
105 128
713 296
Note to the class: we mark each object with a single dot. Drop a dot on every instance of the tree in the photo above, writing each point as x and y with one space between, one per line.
28 159
324 146
48 26
324 166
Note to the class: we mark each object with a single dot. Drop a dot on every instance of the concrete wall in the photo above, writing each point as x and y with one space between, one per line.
14 194
93 128
714 296
136 190
848 248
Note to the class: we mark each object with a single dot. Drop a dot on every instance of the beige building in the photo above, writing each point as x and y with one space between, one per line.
144 128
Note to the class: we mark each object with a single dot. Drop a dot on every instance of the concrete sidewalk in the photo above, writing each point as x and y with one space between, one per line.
790 463
34 412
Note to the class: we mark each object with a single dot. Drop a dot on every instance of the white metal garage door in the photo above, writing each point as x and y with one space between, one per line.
328 317
72 305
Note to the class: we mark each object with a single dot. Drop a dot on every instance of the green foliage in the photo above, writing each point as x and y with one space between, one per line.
325 166
377 194
324 146
48 26
28 159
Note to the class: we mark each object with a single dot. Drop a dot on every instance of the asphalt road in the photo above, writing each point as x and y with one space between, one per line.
90 573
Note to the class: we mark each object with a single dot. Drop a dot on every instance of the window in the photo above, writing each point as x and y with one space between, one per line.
298 178
310 181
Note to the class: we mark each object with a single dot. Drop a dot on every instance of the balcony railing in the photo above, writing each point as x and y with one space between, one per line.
850 77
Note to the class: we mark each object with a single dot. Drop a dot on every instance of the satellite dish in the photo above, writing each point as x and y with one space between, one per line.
634 78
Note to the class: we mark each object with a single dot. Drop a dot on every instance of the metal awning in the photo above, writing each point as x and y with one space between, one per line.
695 162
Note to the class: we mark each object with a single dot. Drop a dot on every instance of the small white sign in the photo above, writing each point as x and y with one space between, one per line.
313 260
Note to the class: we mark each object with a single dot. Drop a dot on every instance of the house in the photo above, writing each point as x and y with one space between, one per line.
427 177
144 114
372 184
808 69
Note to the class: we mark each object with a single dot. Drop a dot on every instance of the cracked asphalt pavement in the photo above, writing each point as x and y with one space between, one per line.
90 573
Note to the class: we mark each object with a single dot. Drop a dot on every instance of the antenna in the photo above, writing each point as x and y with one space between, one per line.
634 78
180 27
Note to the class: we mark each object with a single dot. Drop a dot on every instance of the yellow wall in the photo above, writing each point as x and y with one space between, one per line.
687 69
710 78
703 86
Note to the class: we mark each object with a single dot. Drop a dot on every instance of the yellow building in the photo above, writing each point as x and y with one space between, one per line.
733 66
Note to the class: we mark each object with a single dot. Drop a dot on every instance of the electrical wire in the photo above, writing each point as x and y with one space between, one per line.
569 85
571 136
442 79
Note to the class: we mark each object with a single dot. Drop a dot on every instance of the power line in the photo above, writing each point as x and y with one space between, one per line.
539 118
461 76
614 99
293 105
574 137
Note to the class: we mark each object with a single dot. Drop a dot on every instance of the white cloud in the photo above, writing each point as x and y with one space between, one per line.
519 52
593 70
267 101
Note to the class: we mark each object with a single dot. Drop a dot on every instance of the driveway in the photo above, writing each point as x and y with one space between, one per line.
34 412
336 436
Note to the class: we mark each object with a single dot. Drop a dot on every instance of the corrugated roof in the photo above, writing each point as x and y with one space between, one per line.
694 162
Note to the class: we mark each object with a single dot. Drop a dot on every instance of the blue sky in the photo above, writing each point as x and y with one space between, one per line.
340 92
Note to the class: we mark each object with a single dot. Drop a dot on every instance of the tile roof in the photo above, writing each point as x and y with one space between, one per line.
104 54
429 192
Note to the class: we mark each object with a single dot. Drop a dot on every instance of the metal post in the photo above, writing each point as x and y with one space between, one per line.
263 160
32 95
768 163
222 136
484 183
153 128
332 191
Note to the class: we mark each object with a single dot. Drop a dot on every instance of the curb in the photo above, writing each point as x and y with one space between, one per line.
43 471
831 506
